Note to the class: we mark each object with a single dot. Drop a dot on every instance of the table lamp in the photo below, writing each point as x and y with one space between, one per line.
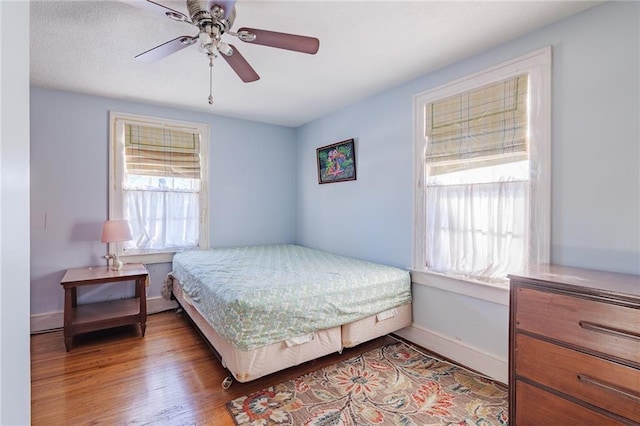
115 231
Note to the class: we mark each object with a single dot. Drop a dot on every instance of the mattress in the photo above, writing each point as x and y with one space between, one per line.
260 295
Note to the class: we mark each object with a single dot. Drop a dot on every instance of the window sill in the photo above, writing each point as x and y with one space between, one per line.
148 258
495 293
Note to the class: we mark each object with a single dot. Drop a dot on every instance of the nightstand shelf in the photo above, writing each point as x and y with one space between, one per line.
108 314
97 312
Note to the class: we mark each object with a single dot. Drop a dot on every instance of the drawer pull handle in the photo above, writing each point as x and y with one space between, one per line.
634 396
609 330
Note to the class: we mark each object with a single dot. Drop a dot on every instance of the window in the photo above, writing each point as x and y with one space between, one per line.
158 182
482 172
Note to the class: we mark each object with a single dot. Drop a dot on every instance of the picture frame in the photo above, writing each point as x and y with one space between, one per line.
337 162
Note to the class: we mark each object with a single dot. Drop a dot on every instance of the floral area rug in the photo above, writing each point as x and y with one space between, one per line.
391 385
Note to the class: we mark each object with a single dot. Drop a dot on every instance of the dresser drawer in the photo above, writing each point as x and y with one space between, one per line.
605 328
608 385
535 407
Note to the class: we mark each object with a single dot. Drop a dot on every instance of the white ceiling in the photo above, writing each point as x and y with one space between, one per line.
365 47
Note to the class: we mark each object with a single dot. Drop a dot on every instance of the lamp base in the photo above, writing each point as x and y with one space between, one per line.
116 264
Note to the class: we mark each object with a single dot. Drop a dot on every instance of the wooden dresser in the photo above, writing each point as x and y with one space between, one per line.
574 347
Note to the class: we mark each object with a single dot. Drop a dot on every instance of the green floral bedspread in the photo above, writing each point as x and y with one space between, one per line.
258 295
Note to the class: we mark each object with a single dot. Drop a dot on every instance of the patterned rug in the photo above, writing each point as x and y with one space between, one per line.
391 385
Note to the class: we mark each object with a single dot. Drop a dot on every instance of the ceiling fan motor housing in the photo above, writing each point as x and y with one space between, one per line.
203 16
199 13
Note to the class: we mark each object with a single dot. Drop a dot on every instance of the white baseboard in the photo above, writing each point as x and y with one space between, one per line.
160 304
55 320
460 352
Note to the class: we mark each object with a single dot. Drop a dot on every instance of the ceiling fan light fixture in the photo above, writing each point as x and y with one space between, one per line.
204 38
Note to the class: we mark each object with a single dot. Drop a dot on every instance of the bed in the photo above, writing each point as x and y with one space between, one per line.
266 308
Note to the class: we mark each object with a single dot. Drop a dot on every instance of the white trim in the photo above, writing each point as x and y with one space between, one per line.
495 293
512 68
160 304
148 258
469 356
51 321
41 323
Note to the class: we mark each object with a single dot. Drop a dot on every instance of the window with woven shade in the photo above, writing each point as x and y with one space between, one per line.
482 172
478 128
156 151
159 184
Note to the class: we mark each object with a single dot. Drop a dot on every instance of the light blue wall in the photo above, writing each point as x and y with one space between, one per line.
596 139
252 187
595 154
595 167
369 218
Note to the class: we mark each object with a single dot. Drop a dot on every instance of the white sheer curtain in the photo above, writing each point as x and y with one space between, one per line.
162 220
476 230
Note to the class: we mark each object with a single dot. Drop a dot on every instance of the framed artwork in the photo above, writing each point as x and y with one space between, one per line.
337 162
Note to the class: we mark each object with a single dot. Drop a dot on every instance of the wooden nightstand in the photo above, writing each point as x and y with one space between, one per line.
112 313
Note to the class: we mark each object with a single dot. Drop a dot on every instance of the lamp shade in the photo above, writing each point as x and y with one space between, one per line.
116 230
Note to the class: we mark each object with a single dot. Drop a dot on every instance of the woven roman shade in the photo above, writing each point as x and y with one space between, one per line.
478 128
156 151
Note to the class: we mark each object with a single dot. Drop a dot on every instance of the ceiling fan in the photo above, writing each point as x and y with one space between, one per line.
214 18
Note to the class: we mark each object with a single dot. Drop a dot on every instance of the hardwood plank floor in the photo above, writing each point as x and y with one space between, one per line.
116 377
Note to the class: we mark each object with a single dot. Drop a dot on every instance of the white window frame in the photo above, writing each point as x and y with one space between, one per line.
117 120
537 65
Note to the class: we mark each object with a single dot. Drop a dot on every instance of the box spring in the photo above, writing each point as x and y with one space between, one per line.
253 364
374 326
250 365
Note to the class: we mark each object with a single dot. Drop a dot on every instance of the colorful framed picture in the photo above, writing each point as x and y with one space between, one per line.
337 162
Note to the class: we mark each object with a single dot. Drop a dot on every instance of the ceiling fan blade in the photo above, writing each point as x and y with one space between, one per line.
158 9
286 41
240 65
166 49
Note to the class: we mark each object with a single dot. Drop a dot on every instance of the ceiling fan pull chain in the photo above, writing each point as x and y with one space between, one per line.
210 79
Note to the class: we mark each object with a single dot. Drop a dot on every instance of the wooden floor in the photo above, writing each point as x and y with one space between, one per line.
116 377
